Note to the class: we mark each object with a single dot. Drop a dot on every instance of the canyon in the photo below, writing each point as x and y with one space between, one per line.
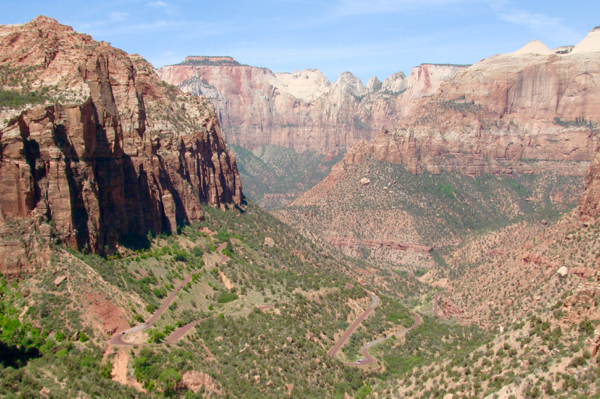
521 126
531 111
461 200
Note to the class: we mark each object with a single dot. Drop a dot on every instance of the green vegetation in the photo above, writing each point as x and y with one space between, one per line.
578 122
442 208
280 173
227 297
16 99
211 62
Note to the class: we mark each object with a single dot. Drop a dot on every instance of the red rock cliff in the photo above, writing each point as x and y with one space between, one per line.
111 151
526 112
303 110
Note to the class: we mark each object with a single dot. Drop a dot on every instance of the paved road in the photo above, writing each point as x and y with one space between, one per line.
338 345
364 351
117 338
181 331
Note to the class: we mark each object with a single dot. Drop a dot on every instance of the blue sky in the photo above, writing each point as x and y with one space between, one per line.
365 37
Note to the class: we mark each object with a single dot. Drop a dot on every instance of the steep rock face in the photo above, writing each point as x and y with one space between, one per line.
530 111
117 154
534 103
302 110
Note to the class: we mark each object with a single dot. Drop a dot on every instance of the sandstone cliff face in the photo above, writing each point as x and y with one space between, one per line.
523 112
530 111
589 205
115 153
302 110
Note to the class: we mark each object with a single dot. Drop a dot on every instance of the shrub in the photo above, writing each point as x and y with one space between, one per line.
227 297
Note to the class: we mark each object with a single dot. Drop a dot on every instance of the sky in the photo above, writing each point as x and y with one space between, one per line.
365 37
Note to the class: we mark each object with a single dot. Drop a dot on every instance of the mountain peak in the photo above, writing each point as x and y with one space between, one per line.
534 47
591 43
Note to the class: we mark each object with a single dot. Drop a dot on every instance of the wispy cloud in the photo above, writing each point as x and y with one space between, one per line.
158 4
365 7
118 16
163 6
541 24
140 28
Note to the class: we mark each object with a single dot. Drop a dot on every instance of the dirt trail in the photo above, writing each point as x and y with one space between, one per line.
120 371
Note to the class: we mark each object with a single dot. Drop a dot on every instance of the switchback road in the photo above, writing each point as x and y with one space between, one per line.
118 337
364 351
338 345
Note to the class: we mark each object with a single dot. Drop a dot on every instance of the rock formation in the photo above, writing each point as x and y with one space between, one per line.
302 110
523 112
108 152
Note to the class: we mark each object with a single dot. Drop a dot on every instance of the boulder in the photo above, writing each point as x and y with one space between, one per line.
563 271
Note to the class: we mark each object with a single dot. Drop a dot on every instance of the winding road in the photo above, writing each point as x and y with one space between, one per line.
117 338
364 351
338 345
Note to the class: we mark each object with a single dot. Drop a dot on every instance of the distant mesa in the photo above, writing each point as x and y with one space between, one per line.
210 60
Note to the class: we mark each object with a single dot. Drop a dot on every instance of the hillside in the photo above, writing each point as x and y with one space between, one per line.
381 211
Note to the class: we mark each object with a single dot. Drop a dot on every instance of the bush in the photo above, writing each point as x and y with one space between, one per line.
106 369
578 362
169 379
227 297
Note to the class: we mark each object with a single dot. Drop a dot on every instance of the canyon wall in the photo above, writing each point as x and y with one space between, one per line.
523 112
108 152
510 137
530 111
302 110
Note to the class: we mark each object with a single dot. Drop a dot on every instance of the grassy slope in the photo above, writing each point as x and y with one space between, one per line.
306 281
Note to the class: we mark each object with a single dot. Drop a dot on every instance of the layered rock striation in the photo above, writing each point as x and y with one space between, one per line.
302 110
108 152
524 112
530 111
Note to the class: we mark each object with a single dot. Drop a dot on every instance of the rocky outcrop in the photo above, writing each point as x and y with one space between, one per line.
303 110
589 205
115 154
195 380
